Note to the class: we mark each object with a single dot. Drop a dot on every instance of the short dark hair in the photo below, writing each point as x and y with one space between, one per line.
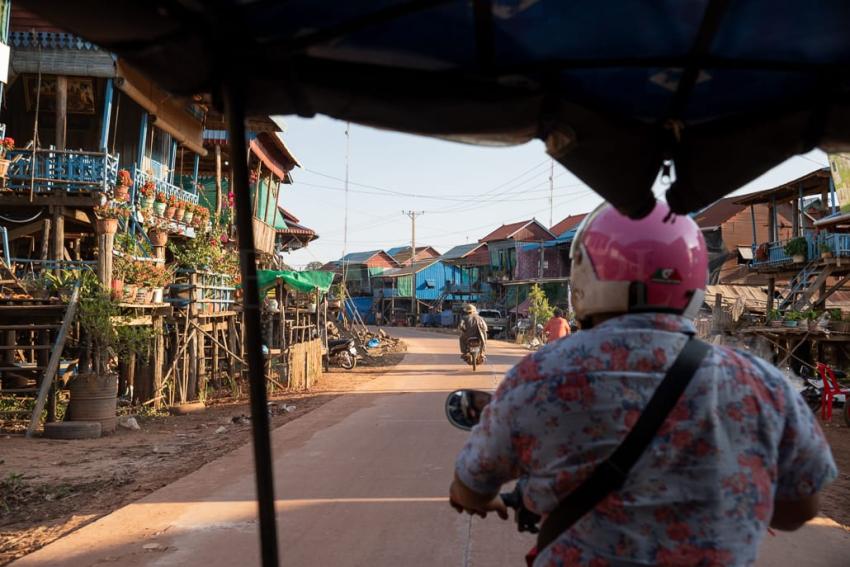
559 312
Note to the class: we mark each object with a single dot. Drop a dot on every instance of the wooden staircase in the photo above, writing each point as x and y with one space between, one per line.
32 337
801 289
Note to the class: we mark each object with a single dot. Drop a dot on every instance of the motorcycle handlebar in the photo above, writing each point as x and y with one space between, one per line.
526 519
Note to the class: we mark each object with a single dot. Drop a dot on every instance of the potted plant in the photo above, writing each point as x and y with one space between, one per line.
189 213
775 318
170 207
160 276
159 204
122 185
825 250
763 252
108 217
6 145
157 234
148 193
792 319
94 390
119 272
179 210
797 248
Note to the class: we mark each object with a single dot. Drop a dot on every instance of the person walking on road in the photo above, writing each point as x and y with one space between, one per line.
557 327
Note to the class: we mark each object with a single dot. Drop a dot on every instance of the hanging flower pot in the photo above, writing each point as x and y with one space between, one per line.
187 216
169 212
159 208
179 213
147 203
158 237
106 226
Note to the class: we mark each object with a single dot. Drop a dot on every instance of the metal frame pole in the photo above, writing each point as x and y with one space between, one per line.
234 104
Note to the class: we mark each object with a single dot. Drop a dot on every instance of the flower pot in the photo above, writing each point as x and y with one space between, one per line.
187 216
169 212
4 167
776 323
159 208
826 255
147 203
179 214
789 323
798 258
158 238
106 226
122 192
142 295
117 288
130 293
157 295
94 398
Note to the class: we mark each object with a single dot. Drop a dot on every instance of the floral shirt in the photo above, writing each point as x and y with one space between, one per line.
701 494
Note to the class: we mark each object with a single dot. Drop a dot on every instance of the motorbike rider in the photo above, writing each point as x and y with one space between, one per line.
739 452
472 325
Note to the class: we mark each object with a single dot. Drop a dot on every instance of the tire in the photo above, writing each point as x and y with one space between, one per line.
347 361
72 430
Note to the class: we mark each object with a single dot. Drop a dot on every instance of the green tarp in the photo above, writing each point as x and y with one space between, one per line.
299 281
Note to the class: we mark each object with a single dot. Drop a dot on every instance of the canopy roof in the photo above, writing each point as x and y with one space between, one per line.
726 89
814 183
299 281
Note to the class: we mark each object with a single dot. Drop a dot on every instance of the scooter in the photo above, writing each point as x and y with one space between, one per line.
474 356
463 410
342 352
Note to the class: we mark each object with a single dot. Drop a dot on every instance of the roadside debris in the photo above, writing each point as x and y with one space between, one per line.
221 429
129 422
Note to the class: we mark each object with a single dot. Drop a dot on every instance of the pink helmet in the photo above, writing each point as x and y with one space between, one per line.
656 264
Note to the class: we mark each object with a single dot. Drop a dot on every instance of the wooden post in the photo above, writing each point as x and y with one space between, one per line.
58 238
771 287
158 359
217 180
717 314
215 353
61 111
772 232
105 244
200 356
45 240
795 208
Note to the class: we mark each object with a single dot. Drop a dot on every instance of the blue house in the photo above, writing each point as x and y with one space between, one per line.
430 282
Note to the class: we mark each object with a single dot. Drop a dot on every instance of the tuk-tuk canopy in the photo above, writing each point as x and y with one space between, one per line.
725 89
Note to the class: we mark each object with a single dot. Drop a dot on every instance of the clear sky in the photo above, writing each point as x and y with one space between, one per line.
465 191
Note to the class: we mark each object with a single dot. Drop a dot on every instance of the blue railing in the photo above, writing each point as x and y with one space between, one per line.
140 177
838 243
776 256
67 170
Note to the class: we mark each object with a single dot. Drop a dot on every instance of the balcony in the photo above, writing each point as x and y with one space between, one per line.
141 177
61 170
264 235
839 243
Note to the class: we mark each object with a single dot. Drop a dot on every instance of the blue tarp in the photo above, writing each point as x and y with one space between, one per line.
363 305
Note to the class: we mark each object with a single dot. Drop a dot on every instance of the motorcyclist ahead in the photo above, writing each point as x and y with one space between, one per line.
738 452
472 325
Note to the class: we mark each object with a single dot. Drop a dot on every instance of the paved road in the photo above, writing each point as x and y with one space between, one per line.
361 480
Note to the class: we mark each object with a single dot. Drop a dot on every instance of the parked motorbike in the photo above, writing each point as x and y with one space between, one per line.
474 355
463 409
343 353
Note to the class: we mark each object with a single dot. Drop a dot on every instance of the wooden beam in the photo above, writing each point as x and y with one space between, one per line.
22 200
58 237
61 111
217 180
45 239
53 364
26 230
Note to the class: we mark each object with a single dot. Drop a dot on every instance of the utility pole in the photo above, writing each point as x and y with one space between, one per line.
413 215
551 191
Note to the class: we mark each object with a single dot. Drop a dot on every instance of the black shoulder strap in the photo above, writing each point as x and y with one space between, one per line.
611 474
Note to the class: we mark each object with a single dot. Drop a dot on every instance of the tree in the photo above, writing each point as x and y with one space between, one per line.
314 265
538 307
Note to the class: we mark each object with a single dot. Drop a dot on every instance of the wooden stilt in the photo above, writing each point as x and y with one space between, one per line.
158 359
61 111
58 246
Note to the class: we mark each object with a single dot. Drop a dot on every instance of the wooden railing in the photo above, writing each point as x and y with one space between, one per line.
264 235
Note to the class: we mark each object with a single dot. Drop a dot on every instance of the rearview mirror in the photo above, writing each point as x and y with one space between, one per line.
464 407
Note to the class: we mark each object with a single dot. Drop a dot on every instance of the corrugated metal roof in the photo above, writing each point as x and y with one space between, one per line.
718 212
506 231
461 251
359 257
408 270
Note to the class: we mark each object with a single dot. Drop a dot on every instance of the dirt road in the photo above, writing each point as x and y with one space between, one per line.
361 480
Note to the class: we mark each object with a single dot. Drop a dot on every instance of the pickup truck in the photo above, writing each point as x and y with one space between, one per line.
496 323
